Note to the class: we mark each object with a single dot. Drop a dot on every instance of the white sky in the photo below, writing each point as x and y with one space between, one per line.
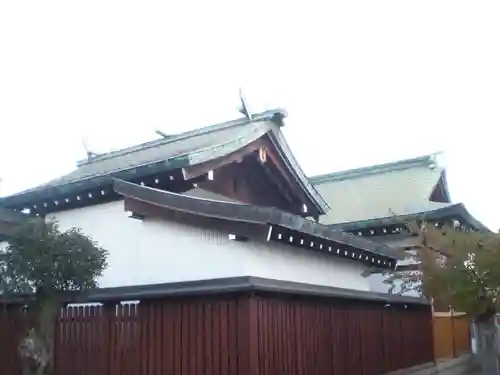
363 81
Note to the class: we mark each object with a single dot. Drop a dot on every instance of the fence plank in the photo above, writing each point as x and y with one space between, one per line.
451 336
248 334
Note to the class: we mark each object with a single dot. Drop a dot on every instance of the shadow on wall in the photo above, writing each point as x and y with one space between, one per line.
377 284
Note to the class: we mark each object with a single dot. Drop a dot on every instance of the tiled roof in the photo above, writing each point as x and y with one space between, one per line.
381 191
180 150
210 139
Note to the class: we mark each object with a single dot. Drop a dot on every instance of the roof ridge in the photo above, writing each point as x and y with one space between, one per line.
262 116
425 161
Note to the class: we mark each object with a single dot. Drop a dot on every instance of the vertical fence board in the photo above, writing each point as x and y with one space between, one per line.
11 330
252 334
125 339
167 338
194 353
462 334
216 332
232 337
158 344
451 336
151 338
208 339
242 325
262 338
339 338
224 334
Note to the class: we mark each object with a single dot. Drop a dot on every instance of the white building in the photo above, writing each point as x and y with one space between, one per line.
221 201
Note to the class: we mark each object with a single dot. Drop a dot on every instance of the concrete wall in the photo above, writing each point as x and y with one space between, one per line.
156 251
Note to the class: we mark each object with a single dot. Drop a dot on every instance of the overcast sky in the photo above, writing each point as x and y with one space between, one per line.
363 81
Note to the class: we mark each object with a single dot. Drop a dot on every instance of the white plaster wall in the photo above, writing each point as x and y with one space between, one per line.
109 225
157 251
376 282
283 262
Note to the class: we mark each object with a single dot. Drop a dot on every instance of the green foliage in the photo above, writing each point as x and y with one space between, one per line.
455 267
40 256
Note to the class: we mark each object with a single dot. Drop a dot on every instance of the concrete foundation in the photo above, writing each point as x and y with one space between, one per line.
462 365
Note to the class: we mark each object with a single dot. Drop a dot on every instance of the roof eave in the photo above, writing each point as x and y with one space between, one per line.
45 191
293 166
242 284
453 210
247 213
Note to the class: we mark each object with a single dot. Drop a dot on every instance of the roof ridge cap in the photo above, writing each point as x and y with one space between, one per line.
262 116
426 160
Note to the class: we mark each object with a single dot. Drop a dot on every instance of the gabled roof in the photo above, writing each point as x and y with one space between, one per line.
381 191
171 152
243 213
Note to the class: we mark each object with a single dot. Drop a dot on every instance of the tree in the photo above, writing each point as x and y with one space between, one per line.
460 269
42 260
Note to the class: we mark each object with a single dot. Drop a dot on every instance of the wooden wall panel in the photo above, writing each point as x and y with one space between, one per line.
451 336
250 334
314 336
462 335
11 328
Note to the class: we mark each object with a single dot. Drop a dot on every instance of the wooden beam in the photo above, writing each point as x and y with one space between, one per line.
203 168
262 146
145 210
275 160
244 182
279 186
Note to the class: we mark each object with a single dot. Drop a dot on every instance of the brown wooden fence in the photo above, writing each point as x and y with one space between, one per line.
335 337
236 332
451 335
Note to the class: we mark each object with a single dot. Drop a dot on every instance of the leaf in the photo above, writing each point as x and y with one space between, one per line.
40 258
456 267
39 255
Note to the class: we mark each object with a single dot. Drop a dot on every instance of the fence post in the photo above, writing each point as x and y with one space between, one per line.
453 341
